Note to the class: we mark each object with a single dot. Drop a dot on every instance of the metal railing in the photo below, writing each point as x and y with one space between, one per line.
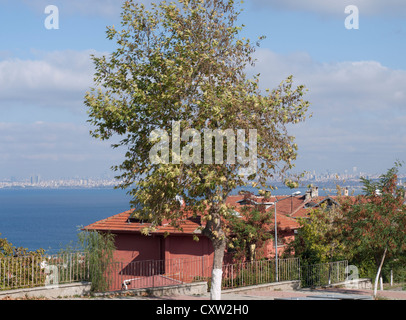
259 272
323 274
157 273
33 271
37 270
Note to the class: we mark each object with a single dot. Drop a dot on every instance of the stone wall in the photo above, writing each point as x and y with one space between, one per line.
194 288
283 285
49 292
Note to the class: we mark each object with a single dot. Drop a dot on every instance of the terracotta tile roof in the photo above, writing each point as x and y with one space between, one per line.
289 206
120 223
287 211
283 208
304 209
284 222
301 212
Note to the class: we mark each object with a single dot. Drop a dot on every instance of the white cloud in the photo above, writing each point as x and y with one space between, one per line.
51 79
336 8
363 85
358 109
104 8
52 149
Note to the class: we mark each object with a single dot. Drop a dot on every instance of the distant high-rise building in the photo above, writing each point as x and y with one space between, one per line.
35 179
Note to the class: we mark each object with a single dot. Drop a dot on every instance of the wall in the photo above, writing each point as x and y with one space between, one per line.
132 247
199 255
283 285
179 247
183 256
268 251
50 292
195 288
136 247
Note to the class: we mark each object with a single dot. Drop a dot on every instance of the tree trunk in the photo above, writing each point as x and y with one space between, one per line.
217 272
215 233
378 273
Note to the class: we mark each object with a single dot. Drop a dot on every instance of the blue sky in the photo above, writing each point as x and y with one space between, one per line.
356 81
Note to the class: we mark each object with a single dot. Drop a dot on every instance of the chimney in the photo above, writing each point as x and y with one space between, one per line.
308 195
268 205
315 192
346 192
180 200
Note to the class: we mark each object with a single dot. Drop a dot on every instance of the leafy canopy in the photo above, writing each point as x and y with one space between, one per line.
375 223
319 238
249 230
185 62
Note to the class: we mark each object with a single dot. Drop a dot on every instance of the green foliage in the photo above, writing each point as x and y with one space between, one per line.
376 221
8 250
398 268
250 275
19 266
248 232
185 62
374 225
99 248
319 238
89 259
366 267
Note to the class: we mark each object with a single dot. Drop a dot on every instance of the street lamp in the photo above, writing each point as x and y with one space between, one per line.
276 233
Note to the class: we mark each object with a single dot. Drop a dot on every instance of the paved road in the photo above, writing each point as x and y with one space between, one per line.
327 294
304 293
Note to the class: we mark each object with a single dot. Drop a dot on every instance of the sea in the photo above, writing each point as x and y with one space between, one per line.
50 219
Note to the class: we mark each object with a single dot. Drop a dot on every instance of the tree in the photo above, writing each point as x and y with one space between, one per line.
374 225
248 230
99 248
7 249
14 266
181 67
319 237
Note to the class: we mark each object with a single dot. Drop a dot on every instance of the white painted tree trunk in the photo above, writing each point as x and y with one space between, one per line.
378 273
215 291
217 272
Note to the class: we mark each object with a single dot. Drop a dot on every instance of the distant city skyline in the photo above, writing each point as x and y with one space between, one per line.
315 178
356 80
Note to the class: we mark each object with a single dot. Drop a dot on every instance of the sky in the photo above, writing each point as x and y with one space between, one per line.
356 81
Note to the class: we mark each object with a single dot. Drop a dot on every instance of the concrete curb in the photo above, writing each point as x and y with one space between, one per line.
189 289
49 292
279 286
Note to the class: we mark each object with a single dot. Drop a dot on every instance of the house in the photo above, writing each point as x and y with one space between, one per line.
287 225
155 259
132 245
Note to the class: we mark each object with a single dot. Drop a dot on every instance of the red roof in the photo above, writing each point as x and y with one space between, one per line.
121 223
287 211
